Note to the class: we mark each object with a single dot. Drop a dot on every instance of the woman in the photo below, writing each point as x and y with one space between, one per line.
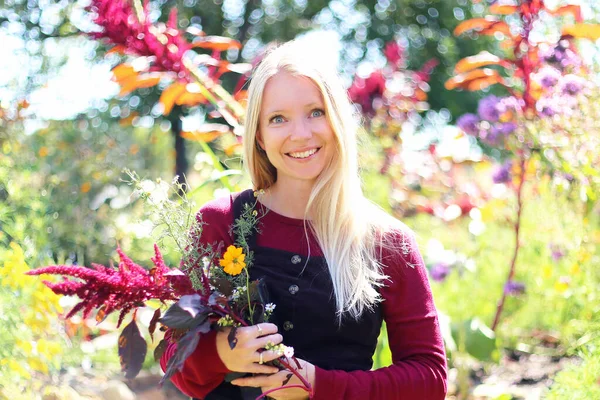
335 264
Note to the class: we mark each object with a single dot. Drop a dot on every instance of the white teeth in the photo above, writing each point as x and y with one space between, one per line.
304 154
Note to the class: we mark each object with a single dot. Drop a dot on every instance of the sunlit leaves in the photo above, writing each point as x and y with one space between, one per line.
474 80
134 82
206 133
218 43
132 350
573 10
582 31
503 9
170 95
478 24
477 61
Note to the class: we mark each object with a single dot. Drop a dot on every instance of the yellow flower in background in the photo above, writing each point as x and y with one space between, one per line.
47 348
547 271
43 151
37 365
562 284
233 260
14 366
24 345
575 269
12 274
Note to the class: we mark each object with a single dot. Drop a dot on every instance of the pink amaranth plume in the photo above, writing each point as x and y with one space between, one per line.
121 27
123 289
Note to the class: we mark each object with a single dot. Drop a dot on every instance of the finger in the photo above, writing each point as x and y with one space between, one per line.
271 380
264 329
267 355
261 343
257 368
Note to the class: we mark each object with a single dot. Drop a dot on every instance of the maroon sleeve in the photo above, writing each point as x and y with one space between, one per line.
419 361
204 370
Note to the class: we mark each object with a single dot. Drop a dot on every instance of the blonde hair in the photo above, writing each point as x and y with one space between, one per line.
347 226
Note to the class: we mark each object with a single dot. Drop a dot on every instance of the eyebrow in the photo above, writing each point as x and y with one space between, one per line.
310 105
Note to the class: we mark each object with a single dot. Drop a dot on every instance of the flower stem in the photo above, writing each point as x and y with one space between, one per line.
517 227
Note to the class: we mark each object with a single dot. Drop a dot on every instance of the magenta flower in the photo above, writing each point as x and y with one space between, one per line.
469 123
394 53
121 27
364 91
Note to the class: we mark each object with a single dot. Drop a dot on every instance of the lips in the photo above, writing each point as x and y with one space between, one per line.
303 154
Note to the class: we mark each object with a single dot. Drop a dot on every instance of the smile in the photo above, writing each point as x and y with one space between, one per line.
304 154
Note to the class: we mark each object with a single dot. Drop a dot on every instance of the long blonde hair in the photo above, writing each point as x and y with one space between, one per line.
347 226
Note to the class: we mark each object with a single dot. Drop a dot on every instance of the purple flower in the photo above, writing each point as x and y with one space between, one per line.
548 77
514 288
572 84
502 173
439 271
504 129
546 107
556 252
469 124
489 109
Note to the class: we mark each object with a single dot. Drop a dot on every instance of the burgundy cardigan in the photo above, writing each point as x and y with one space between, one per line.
418 371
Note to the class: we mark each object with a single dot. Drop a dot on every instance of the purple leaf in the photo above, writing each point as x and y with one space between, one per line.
185 347
153 322
187 313
132 350
160 349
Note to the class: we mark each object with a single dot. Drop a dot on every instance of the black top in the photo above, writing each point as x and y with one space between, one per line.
305 312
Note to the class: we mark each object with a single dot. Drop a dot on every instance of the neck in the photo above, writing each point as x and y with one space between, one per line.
289 200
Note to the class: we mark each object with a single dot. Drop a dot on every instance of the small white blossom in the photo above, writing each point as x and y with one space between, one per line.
269 307
288 351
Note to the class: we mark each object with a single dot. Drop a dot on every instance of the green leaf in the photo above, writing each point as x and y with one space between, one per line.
478 340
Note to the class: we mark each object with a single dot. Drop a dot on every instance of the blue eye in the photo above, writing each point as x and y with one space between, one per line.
276 119
317 113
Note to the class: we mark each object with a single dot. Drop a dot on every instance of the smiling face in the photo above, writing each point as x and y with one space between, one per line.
294 130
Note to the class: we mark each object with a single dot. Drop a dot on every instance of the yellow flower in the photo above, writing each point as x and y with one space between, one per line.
13 272
562 284
37 365
233 260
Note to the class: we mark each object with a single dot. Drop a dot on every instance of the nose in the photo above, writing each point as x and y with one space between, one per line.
301 130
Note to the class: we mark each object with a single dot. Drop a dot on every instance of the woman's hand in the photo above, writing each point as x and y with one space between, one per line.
282 378
246 354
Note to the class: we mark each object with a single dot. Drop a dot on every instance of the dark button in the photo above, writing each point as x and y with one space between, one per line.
293 289
296 259
287 325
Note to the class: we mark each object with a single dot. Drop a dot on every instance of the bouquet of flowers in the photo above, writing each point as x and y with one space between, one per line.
211 289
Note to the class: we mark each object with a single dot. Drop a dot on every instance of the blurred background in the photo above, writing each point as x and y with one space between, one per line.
481 124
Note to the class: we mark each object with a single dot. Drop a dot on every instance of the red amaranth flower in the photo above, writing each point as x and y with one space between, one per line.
121 27
110 289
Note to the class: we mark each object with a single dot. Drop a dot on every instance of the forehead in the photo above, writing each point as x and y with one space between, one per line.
285 90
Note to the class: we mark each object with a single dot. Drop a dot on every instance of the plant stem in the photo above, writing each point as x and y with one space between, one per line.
517 227
217 164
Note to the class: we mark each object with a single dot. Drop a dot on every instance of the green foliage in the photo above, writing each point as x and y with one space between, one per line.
579 382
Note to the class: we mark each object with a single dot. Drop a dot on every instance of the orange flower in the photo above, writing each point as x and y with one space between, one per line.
233 260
